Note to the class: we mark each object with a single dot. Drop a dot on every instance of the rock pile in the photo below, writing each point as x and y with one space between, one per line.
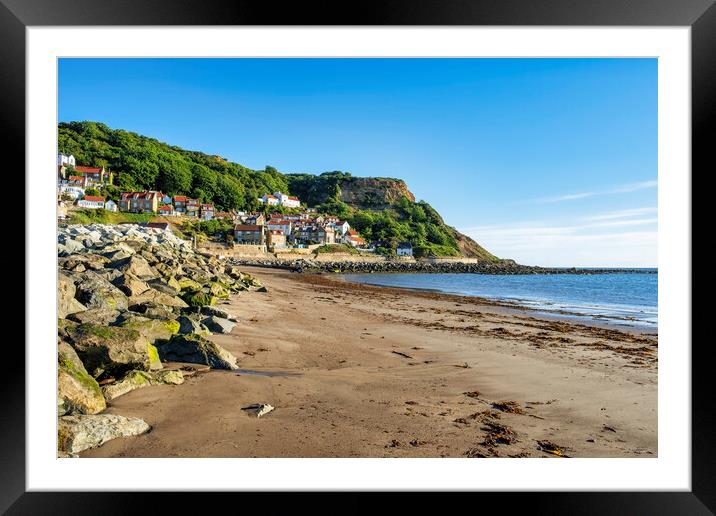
505 267
128 298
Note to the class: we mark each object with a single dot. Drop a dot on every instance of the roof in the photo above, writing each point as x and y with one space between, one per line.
247 227
180 198
207 206
405 245
293 198
165 207
76 178
90 170
282 222
352 232
276 231
138 195
93 198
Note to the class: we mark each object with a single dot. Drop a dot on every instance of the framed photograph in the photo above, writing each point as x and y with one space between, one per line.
435 249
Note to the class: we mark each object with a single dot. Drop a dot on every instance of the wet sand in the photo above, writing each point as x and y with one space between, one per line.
384 372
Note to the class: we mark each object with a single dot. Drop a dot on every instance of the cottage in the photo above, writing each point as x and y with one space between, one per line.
180 203
71 191
282 225
94 176
206 211
92 202
280 199
139 202
192 207
110 205
276 238
166 209
249 234
77 181
353 238
255 219
341 227
404 249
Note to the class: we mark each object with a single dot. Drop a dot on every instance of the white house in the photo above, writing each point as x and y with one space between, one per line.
404 249
280 199
63 159
111 206
341 227
91 201
73 191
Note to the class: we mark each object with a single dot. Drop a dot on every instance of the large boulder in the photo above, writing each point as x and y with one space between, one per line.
82 432
112 350
152 329
138 379
159 298
218 324
218 312
188 284
198 298
187 325
77 391
103 316
196 349
136 265
118 251
152 310
66 302
163 286
130 284
93 291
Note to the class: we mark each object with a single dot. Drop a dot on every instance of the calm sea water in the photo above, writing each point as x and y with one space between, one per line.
624 298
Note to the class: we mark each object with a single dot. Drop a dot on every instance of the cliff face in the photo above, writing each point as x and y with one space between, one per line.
373 193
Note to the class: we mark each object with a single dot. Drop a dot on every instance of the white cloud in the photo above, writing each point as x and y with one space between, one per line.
622 213
630 187
589 244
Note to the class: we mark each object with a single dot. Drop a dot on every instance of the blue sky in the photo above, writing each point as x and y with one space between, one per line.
547 161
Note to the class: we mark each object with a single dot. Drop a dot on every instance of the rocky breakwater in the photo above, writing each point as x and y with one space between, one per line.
129 299
503 267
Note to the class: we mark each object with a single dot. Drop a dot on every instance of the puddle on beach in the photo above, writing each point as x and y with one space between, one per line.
241 372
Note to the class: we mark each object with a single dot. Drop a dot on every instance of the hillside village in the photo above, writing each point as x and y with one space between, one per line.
294 226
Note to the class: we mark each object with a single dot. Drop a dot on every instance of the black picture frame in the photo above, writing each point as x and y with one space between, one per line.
700 15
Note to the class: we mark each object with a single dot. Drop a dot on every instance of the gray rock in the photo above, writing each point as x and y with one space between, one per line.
197 350
135 265
218 324
66 302
103 316
187 325
82 432
96 292
138 379
218 312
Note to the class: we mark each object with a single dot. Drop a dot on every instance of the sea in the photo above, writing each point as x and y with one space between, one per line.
627 298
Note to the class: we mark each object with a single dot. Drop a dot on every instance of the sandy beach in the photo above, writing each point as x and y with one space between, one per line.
361 371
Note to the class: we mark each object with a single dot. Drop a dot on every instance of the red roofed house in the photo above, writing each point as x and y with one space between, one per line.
77 181
284 225
180 203
93 175
353 238
166 209
248 234
139 202
91 201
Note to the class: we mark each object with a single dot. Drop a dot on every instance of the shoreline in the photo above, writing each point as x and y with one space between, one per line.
522 304
363 371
